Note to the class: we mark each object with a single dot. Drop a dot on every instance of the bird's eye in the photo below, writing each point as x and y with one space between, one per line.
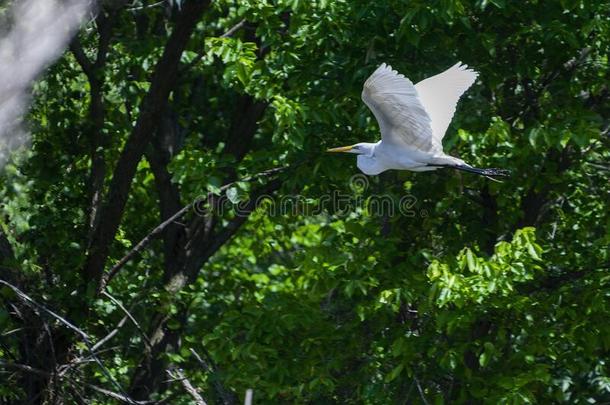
356 147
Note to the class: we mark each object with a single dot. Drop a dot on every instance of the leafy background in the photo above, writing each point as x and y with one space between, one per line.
490 292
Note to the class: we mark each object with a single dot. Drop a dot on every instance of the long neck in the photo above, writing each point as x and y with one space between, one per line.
369 148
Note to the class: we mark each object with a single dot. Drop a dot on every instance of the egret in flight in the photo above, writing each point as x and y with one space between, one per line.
413 120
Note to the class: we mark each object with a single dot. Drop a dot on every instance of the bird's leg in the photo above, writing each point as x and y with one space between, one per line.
489 172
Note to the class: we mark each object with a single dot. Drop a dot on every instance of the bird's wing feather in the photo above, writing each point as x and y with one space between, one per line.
402 119
439 95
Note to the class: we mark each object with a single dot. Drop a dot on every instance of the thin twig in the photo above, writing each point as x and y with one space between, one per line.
25 298
116 395
147 6
65 368
233 29
111 334
24 367
226 396
568 67
200 360
46 374
421 392
128 314
77 395
187 385
157 230
202 53
10 332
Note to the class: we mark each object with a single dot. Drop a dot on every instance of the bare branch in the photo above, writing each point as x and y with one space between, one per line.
110 335
112 394
121 397
200 360
24 367
421 392
10 332
128 314
25 298
188 387
568 68
233 226
234 29
37 306
159 3
225 395
77 395
63 369
157 230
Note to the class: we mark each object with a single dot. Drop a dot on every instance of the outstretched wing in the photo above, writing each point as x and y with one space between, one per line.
439 95
402 119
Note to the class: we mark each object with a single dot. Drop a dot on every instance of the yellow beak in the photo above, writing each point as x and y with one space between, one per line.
340 149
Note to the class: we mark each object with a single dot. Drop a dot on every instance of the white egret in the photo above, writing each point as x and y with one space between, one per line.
413 120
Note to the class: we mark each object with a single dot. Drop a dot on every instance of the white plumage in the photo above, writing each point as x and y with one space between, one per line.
413 120
400 114
439 95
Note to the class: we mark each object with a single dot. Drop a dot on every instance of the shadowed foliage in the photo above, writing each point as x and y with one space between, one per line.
274 268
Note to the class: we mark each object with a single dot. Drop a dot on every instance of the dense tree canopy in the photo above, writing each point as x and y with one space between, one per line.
283 272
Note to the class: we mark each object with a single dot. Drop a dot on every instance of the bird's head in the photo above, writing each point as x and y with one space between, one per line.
362 148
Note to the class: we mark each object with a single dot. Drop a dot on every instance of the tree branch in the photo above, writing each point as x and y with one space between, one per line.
188 387
82 59
128 314
37 306
153 104
202 52
159 155
157 230
220 238
421 392
200 248
226 396
94 72
28 369
234 29
24 367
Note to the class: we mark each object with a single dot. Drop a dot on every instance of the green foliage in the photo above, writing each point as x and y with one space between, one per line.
484 293
476 279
